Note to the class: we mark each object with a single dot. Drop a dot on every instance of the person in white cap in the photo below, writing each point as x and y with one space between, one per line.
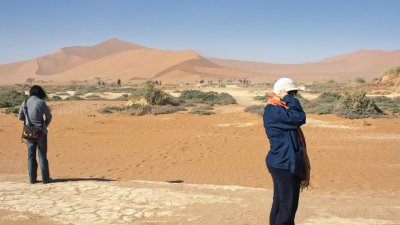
287 159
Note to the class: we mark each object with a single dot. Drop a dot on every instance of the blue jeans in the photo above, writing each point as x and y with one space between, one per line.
286 197
41 145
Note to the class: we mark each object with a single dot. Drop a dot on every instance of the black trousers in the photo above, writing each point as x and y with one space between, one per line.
286 197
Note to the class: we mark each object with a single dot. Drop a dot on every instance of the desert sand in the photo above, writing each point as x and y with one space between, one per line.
191 169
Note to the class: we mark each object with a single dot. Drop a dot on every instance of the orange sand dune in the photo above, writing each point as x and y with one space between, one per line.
364 63
115 59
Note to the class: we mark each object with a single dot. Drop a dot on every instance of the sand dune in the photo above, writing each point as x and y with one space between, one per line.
368 64
115 59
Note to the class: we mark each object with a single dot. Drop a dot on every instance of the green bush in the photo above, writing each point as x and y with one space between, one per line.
166 109
359 80
356 105
201 111
393 70
387 104
140 110
11 98
324 104
256 109
211 97
14 110
152 95
263 98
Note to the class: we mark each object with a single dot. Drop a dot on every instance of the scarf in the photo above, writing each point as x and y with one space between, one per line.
273 99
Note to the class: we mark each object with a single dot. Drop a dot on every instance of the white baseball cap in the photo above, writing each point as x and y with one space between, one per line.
286 84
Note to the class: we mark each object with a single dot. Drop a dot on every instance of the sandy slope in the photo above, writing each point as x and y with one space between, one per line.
115 59
364 63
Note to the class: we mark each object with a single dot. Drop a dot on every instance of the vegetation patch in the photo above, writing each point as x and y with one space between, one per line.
256 109
387 104
11 100
211 97
356 104
202 110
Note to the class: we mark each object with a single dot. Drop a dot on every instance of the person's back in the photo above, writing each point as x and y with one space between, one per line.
37 108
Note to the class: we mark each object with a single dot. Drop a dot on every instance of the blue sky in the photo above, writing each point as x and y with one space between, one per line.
280 31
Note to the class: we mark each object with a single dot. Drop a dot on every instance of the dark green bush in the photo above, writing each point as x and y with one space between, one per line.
211 97
201 111
152 95
324 104
140 110
359 80
256 109
356 105
11 98
386 104
263 98
166 109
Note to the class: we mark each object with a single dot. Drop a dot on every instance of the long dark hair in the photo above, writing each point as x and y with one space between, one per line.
37 91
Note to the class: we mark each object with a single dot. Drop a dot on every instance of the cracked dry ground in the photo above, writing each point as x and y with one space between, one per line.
88 202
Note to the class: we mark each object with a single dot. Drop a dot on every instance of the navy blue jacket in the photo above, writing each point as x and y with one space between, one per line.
281 127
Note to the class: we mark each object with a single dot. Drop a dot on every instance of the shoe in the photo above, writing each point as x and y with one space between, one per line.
47 181
33 182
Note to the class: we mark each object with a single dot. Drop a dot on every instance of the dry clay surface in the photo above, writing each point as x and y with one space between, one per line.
82 202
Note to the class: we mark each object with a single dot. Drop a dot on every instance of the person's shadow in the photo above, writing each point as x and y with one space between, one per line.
60 180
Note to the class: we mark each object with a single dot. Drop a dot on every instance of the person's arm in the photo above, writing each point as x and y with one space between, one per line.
21 114
293 117
47 114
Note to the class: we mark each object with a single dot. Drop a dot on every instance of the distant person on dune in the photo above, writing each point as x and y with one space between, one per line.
36 112
287 159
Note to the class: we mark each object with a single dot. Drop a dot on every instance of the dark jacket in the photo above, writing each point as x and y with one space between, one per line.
281 127
37 108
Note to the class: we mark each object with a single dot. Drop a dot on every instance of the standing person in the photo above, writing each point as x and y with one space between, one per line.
37 108
287 156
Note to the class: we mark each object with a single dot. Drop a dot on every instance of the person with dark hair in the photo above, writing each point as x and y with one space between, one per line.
38 113
287 160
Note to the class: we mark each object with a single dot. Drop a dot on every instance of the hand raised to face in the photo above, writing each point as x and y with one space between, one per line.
282 93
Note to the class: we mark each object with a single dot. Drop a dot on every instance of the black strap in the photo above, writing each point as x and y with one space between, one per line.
27 114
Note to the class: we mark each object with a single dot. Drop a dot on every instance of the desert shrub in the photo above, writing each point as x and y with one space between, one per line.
140 110
166 109
73 98
152 95
94 97
201 111
356 104
393 70
387 104
324 104
211 97
263 98
55 98
11 98
359 80
13 110
189 103
256 109
327 86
